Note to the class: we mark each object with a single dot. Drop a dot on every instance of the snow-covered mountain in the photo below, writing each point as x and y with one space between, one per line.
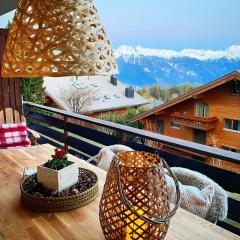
144 67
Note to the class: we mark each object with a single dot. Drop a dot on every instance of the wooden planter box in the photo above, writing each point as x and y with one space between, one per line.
58 180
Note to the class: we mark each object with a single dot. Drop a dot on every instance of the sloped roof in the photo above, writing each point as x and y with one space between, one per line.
200 90
106 96
8 5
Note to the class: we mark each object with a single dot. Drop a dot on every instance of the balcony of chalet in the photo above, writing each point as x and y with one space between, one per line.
191 121
84 137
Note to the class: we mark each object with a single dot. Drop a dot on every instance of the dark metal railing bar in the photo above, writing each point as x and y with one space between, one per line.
173 142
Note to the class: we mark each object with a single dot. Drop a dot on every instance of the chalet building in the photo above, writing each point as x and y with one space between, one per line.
108 94
209 115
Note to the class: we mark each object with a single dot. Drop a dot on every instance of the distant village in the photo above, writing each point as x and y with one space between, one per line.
187 112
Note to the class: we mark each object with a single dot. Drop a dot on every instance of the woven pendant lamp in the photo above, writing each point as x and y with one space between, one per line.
57 38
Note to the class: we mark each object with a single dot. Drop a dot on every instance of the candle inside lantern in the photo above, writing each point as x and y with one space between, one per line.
135 226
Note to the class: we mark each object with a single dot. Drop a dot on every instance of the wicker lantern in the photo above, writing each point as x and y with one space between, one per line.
135 203
57 38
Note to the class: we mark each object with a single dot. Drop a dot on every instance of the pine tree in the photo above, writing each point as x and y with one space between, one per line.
9 25
33 90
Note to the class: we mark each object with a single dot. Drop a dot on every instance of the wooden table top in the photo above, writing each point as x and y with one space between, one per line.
16 222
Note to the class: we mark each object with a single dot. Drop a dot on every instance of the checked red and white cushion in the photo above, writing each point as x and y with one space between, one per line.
14 135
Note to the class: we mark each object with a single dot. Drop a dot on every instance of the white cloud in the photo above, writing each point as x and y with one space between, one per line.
146 70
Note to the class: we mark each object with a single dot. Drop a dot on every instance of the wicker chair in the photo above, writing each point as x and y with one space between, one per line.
219 207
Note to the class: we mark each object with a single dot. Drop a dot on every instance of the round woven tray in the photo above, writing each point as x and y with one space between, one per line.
86 194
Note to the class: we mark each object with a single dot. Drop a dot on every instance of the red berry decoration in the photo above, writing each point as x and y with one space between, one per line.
59 153
59 160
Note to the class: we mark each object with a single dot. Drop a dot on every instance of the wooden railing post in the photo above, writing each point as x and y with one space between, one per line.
65 121
28 114
122 137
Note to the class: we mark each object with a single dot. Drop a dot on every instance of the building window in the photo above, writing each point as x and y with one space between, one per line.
201 109
231 149
232 124
236 88
160 126
174 125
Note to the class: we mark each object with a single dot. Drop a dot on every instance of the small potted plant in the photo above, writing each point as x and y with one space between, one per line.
58 173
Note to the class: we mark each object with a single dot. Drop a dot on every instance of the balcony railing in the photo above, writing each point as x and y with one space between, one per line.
192 121
84 136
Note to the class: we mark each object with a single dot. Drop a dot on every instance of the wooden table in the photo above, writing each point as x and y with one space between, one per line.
16 222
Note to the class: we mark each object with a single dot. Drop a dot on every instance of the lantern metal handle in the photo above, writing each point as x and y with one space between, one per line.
128 203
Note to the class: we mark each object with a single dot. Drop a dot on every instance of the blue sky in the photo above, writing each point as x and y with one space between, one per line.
169 24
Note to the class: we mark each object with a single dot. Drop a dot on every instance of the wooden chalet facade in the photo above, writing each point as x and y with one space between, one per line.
209 115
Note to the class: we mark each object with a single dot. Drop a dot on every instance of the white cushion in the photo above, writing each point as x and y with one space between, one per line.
219 208
107 154
192 199
117 148
106 158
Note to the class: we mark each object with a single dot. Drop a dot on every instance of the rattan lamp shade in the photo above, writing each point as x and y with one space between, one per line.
57 38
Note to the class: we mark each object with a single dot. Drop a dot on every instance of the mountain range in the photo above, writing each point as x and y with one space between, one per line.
140 67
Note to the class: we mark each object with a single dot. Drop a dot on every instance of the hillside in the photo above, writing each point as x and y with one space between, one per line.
142 67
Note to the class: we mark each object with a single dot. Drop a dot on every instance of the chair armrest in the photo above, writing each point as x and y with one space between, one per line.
93 160
34 134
